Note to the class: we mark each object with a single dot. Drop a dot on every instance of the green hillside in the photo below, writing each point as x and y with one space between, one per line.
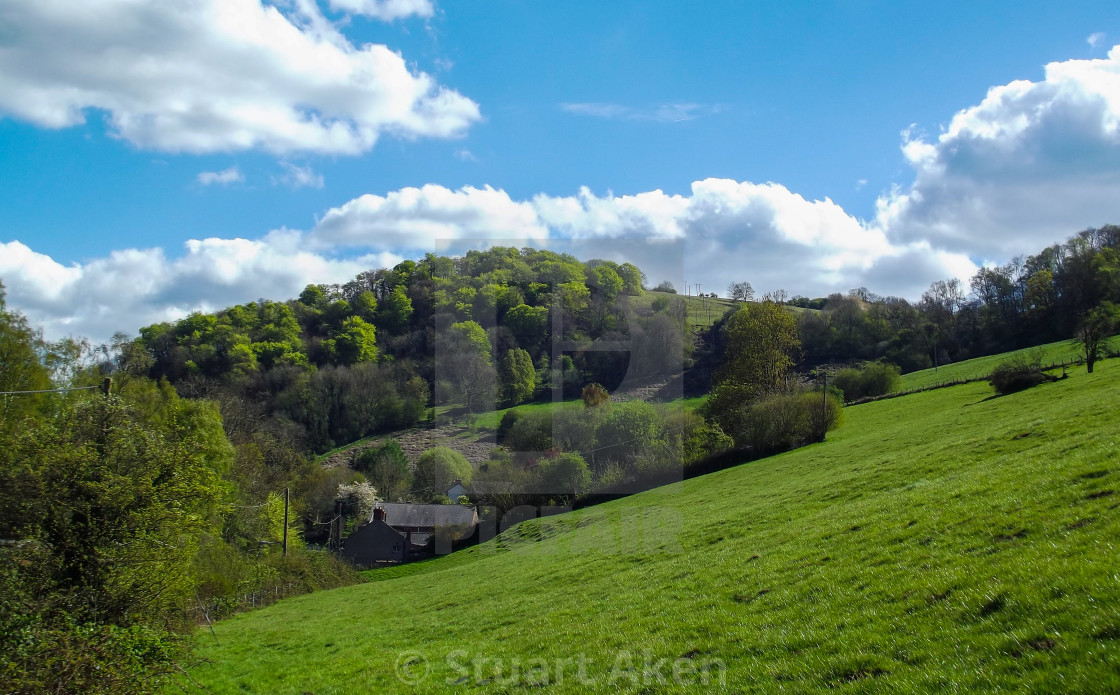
981 367
946 541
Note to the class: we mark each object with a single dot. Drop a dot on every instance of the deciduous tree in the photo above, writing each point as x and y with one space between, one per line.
1093 329
760 346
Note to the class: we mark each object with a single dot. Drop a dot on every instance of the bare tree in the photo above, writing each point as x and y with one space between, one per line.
740 291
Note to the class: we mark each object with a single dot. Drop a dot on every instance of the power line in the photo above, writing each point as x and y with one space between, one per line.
23 393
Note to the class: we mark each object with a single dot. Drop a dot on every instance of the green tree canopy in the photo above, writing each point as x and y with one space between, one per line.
565 475
1093 329
356 342
395 311
518 377
463 358
108 501
760 346
437 469
20 368
528 324
386 468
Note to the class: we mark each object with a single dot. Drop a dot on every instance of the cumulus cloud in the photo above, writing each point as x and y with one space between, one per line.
296 176
223 177
722 231
728 230
661 113
136 287
420 218
385 10
1095 38
219 75
1027 166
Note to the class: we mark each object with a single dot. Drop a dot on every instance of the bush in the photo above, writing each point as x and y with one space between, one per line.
873 379
1018 373
705 440
503 484
611 478
594 395
386 468
506 424
787 421
574 430
437 469
565 475
533 432
629 429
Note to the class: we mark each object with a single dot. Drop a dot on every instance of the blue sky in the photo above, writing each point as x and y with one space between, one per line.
159 159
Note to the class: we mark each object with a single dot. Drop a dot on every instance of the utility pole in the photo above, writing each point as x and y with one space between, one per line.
687 302
338 538
285 522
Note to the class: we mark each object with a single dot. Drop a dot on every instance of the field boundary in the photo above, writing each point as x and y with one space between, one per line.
1064 364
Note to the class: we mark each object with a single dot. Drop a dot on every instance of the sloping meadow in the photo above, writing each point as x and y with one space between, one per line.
947 541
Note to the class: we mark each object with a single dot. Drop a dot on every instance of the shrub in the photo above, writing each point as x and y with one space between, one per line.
873 379
565 475
594 395
1018 373
630 428
509 419
437 469
787 421
533 432
705 440
503 484
611 478
574 430
691 437
386 468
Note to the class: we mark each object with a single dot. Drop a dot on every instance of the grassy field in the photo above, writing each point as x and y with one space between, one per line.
947 541
1052 353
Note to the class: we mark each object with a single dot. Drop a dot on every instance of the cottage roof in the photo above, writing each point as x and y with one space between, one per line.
427 515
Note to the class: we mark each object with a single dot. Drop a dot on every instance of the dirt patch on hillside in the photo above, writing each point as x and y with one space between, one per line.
417 441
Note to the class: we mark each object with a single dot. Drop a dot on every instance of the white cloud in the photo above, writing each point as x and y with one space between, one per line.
1095 38
218 75
729 230
1029 165
385 10
661 113
298 177
420 218
224 177
136 287
465 155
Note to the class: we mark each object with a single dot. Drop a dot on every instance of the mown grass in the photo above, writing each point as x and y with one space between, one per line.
981 367
947 541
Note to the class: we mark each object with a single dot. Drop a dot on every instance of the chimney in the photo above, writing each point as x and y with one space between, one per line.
378 514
